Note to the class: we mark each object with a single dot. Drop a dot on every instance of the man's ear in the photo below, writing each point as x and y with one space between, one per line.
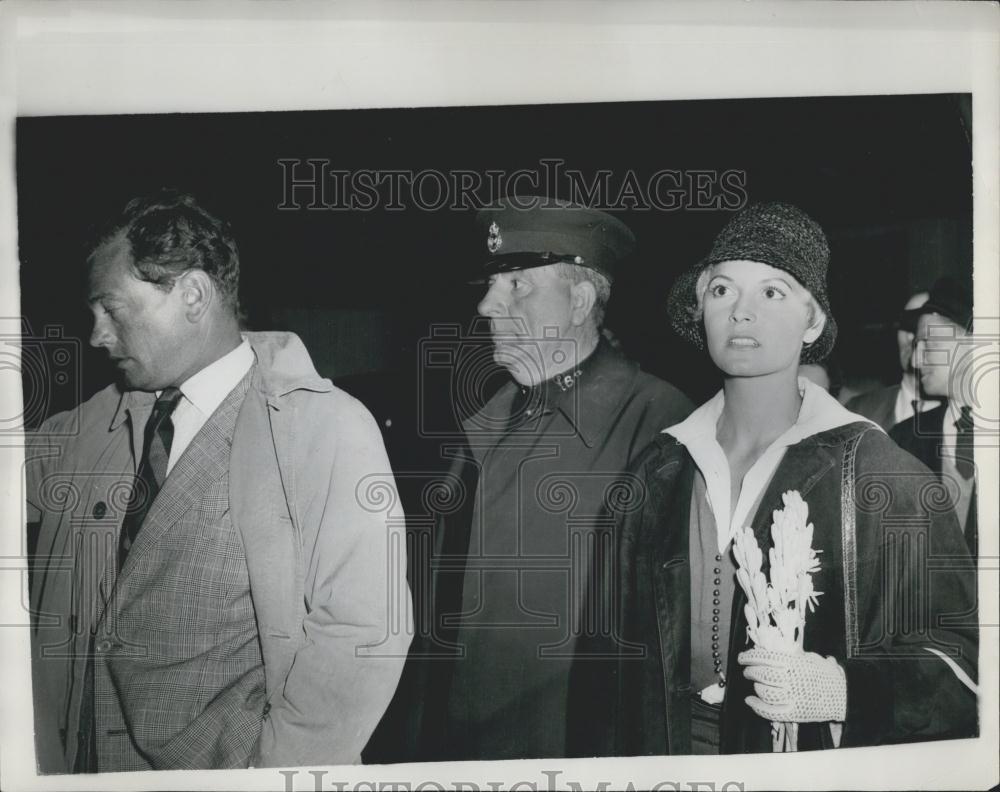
197 292
815 329
583 295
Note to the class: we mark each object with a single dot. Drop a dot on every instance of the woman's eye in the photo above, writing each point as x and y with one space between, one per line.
719 290
774 293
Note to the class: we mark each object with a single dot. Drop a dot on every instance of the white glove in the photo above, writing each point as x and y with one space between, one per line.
795 687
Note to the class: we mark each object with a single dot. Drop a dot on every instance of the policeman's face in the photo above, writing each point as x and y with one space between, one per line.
757 318
936 353
529 311
143 327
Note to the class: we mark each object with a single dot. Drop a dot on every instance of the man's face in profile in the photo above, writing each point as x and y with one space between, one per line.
141 325
526 307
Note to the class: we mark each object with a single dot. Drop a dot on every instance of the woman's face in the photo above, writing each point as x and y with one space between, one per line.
757 318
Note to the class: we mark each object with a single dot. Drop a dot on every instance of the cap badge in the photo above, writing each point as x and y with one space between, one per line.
494 240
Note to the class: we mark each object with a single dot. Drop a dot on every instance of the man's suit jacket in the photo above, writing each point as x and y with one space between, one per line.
179 678
923 436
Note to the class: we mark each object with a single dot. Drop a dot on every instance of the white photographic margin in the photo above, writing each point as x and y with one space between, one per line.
146 57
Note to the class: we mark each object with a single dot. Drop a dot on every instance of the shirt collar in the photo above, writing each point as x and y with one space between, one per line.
604 383
207 388
589 406
819 412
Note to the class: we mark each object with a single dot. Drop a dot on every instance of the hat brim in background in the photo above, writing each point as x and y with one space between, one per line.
959 314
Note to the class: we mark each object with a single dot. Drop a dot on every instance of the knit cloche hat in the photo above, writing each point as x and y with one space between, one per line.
776 234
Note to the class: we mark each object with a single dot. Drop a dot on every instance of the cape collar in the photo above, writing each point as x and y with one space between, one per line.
589 402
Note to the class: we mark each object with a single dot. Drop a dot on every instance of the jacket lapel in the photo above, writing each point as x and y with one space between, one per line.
802 466
203 462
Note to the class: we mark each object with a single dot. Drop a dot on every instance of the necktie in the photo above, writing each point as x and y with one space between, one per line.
964 444
159 434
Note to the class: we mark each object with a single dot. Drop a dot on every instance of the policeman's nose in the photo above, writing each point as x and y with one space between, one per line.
491 305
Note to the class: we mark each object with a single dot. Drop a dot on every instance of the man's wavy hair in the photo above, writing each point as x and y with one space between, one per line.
169 233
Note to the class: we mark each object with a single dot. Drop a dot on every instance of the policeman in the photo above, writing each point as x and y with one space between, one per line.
543 458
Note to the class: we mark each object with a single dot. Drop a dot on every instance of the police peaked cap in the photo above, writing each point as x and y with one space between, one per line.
521 232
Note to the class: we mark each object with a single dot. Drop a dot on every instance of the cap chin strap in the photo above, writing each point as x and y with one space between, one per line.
562 258
533 260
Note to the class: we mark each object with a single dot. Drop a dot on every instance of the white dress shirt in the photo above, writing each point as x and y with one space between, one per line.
202 394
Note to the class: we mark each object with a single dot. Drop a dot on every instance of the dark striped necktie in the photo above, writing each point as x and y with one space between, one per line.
964 462
156 443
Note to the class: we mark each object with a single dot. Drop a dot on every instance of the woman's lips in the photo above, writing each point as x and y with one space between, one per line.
744 342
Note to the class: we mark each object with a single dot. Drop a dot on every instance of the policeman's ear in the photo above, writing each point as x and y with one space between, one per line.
196 291
583 295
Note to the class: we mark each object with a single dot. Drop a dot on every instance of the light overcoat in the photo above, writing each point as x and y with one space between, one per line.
313 497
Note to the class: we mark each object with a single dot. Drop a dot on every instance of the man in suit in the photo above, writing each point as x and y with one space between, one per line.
531 477
893 404
942 438
211 587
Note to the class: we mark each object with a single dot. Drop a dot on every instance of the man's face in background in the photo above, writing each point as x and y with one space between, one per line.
937 354
906 337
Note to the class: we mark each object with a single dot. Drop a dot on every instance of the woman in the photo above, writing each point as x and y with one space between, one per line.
877 666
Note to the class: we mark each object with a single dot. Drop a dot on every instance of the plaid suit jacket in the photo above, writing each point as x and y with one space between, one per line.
178 674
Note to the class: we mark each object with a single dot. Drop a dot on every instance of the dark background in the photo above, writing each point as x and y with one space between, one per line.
888 177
